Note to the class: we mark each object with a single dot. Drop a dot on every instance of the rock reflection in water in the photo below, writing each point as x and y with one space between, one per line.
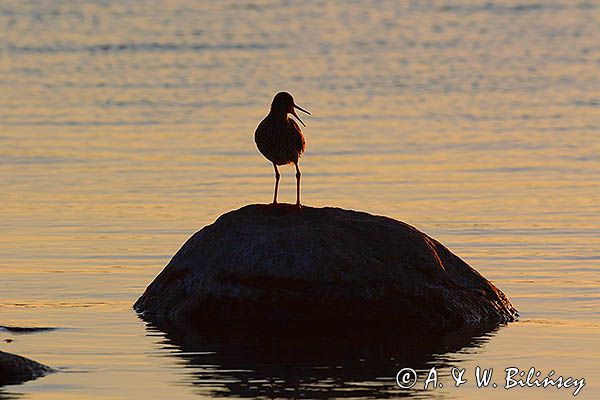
308 362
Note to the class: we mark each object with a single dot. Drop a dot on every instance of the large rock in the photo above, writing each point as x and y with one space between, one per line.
16 369
266 263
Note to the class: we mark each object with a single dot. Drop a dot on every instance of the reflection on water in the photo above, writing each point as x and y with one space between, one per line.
6 395
307 362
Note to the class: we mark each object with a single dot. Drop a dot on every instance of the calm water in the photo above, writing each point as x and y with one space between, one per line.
126 126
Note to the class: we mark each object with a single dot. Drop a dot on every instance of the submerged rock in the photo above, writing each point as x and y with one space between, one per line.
278 263
23 330
16 369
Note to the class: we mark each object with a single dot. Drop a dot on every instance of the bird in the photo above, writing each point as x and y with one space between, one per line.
280 139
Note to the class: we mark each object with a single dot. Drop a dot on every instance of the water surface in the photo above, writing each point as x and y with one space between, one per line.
127 126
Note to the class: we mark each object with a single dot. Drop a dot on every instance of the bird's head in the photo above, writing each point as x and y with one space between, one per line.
283 102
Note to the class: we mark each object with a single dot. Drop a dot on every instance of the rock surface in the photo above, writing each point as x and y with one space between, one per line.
16 369
265 263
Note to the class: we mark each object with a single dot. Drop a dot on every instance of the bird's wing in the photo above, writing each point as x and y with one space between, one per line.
298 136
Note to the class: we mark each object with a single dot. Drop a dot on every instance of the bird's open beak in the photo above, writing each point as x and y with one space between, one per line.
296 115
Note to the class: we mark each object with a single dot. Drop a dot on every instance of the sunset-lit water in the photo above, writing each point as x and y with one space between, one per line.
127 126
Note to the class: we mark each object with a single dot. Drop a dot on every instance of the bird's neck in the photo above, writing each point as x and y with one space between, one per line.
278 115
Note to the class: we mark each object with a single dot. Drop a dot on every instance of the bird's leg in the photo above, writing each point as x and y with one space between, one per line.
277 176
298 175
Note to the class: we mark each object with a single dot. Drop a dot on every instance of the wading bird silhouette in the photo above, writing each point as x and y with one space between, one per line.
280 139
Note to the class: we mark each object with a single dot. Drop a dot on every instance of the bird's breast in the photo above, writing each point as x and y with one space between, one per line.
278 141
